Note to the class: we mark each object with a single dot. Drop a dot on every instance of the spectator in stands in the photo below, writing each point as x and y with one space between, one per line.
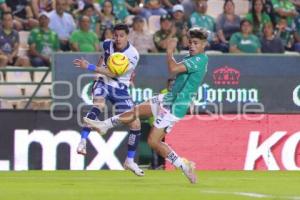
244 41
152 7
71 6
201 19
90 11
189 7
258 17
23 16
39 6
270 43
107 34
83 3
42 43
167 31
296 4
120 9
284 8
140 38
285 33
9 43
168 4
297 34
227 23
134 7
62 23
107 18
181 26
3 7
83 39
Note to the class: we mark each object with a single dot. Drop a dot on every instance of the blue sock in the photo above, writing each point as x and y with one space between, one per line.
133 141
92 114
85 131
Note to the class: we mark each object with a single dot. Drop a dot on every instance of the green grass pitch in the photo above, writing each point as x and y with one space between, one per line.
156 185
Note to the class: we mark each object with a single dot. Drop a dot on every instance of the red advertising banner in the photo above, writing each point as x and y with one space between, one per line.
238 142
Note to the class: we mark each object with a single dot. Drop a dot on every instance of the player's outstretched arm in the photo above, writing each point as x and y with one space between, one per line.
173 66
84 64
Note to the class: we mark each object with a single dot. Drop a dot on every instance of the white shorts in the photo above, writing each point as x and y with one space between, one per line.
163 118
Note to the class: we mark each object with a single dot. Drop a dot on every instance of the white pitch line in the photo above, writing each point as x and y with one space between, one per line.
251 194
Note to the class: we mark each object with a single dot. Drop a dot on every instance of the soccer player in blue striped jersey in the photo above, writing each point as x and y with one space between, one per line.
169 108
114 89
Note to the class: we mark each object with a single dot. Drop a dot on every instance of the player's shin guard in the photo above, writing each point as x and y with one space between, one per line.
133 141
92 114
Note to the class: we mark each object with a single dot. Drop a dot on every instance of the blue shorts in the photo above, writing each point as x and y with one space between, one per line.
119 97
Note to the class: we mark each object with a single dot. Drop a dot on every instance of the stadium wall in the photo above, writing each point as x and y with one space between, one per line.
234 83
239 142
31 140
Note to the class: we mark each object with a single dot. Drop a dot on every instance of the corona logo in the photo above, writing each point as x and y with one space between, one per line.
226 76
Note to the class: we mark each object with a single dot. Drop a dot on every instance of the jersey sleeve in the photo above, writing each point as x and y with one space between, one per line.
194 63
134 58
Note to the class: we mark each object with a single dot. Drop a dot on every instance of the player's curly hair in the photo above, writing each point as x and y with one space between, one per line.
198 32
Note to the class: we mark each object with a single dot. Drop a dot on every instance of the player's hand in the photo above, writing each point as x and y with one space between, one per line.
81 63
171 45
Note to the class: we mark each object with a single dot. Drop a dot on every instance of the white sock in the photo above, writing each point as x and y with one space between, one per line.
83 140
130 160
176 160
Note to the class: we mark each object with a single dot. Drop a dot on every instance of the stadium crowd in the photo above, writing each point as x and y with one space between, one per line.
235 26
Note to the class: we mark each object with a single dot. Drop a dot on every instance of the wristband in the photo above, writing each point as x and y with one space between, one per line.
91 67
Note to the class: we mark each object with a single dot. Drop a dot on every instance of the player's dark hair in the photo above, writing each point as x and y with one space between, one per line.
122 27
198 32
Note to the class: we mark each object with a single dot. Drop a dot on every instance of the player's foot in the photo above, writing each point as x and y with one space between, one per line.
99 126
81 148
132 166
189 170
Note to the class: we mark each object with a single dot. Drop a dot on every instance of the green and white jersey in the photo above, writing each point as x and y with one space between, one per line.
186 85
202 20
249 44
286 6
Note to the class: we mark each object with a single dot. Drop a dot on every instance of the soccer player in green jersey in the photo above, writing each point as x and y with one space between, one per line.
169 108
